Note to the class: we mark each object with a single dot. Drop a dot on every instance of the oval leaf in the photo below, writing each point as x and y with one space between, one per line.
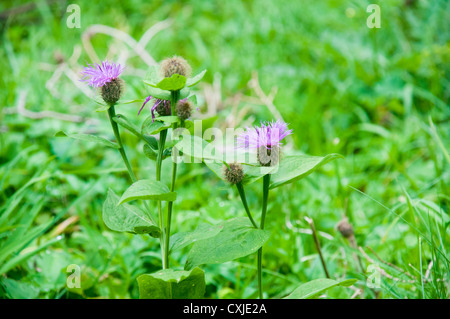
175 83
316 287
295 167
203 231
147 189
126 218
196 79
88 138
170 284
238 238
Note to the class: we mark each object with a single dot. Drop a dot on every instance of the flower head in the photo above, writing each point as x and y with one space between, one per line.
161 106
268 135
106 77
98 75
175 65
184 109
233 173
266 139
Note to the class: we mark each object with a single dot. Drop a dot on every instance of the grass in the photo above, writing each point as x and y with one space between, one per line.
380 97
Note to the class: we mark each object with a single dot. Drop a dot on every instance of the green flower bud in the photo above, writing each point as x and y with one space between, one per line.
175 65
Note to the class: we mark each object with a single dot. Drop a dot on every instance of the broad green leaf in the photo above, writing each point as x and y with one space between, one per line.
151 127
316 287
175 83
88 138
19 289
157 92
203 231
168 119
196 79
148 189
126 218
170 284
238 238
295 167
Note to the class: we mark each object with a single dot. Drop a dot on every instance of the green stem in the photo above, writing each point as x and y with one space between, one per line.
112 114
162 142
175 95
241 191
266 182
115 127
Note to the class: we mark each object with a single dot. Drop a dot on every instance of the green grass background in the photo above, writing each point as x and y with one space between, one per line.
379 97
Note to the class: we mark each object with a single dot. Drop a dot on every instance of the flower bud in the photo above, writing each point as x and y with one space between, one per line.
112 91
175 65
234 174
184 109
345 228
268 156
163 108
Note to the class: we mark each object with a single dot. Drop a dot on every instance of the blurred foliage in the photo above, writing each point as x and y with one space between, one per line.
380 97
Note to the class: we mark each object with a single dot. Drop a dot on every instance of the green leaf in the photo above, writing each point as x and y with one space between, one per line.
103 108
151 127
203 231
168 119
316 287
196 79
126 218
295 167
152 77
170 284
175 83
150 153
238 238
88 138
147 189
158 93
132 101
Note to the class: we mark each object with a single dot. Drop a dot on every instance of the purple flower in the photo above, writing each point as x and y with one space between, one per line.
161 106
98 75
268 135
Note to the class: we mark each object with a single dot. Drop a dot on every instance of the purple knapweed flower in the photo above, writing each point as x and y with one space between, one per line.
98 75
266 139
161 106
268 135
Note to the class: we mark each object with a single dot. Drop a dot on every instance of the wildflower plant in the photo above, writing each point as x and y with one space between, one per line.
258 156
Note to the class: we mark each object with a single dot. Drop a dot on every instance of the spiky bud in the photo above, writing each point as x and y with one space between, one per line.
175 65
234 173
112 91
345 228
163 108
268 156
184 109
